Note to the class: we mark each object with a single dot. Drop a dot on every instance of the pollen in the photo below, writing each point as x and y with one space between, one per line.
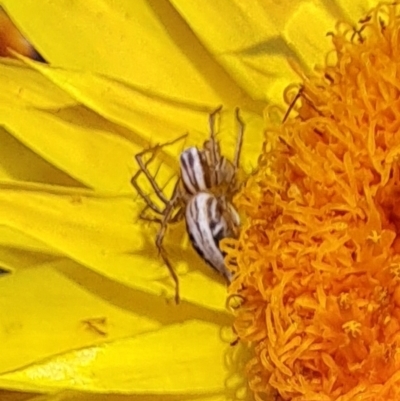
352 328
317 262
344 300
395 270
374 237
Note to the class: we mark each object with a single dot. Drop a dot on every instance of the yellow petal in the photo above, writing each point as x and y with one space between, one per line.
354 10
245 40
145 115
254 40
306 28
75 142
14 239
128 38
6 395
24 86
166 361
98 233
46 303
73 395
20 163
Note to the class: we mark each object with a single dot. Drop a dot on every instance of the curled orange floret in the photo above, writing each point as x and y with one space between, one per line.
317 264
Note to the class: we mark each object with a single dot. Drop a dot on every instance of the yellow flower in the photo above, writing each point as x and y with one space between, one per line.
87 306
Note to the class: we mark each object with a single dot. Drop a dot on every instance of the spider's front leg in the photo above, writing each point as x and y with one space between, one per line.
239 140
211 146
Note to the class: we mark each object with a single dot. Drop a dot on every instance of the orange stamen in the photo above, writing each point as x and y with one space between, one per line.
317 264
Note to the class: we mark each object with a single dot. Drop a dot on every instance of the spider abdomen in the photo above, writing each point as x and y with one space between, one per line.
208 220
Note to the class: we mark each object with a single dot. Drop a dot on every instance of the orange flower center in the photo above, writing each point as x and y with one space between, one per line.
318 260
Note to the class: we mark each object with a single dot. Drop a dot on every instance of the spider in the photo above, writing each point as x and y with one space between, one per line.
202 196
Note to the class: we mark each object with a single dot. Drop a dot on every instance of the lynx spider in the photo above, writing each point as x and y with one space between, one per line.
204 190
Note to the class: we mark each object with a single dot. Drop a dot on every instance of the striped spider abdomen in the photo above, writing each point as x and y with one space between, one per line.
209 219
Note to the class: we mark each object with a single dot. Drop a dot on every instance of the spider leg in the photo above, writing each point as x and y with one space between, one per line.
157 219
290 108
166 214
212 150
178 216
151 219
211 121
149 203
152 180
143 169
215 156
154 219
167 218
239 141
